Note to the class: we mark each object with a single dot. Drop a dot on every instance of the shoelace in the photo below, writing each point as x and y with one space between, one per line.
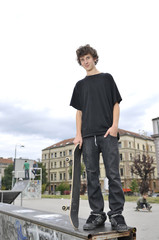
119 219
92 218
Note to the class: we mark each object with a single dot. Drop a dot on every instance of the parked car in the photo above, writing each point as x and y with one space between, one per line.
155 195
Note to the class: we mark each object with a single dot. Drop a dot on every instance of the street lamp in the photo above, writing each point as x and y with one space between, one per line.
17 145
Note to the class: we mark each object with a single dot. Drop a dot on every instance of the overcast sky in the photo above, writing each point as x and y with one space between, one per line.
38 67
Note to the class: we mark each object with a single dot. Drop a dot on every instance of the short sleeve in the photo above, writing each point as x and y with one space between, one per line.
75 100
116 97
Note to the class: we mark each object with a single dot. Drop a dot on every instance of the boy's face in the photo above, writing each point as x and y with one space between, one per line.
87 62
145 196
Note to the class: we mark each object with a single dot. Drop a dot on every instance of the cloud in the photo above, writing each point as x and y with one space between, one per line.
14 119
139 115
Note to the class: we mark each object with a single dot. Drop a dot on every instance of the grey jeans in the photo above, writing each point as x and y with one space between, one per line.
92 147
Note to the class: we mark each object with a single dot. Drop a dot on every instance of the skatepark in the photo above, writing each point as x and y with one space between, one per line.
25 215
47 210
146 223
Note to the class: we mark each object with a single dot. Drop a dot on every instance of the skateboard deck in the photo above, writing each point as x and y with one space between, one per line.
75 191
143 210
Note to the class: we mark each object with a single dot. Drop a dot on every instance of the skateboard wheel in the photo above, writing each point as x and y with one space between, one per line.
67 159
65 208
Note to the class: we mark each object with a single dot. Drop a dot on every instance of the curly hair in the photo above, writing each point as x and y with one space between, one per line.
84 50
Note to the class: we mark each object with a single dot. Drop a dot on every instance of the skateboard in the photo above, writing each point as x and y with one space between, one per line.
75 191
143 209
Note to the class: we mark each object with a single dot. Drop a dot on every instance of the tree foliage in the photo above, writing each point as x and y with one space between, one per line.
44 173
143 167
63 187
7 179
82 168
134 186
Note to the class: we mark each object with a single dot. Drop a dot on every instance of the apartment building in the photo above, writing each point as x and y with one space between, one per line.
130 145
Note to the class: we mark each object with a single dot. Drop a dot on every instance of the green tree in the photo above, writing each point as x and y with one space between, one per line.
44 173
143 168
134 186
82 168
7 179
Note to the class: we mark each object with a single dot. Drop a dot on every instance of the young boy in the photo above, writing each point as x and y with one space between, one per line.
143 203
96 98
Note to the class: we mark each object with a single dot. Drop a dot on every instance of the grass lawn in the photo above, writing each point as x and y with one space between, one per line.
127 198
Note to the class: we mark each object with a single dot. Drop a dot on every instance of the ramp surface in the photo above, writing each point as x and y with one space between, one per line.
33 224
20 186
8 196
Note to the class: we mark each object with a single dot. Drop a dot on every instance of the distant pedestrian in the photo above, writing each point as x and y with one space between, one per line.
26 168
35 166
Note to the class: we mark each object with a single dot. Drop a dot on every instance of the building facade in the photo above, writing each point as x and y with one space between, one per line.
130 146
155 136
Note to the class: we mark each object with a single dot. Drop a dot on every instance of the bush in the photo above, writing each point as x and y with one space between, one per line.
63 187
43 188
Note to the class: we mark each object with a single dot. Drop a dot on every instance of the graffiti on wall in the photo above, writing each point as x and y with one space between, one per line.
33 190
17 229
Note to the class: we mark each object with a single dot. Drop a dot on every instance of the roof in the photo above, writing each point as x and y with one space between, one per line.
133 134
121 132
6 160
61 144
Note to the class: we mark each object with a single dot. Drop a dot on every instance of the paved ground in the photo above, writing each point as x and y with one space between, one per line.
145 222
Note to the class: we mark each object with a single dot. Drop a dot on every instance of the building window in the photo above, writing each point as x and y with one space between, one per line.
55 154
121 172
143 146
51 164
121 157
154 185
64 154
51 177
60 176
54 164
151 148
131 157
54 176
129 144
70 152
70 176
60 164
60 154
84 174
52 155
138 146
64 164
119 144
45 156
64 176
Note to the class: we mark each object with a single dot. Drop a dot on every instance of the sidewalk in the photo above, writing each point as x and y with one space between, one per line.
145 222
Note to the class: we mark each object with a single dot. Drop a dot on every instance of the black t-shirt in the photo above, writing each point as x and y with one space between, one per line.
95 96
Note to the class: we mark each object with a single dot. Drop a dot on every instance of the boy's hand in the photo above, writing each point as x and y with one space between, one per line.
78 140
111 131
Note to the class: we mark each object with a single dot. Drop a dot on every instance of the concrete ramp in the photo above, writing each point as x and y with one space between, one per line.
22 223
20 186
8 196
